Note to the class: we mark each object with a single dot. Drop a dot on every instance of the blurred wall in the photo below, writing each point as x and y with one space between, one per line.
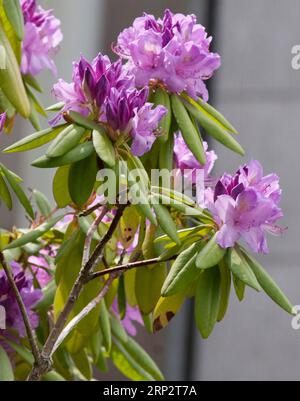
257 89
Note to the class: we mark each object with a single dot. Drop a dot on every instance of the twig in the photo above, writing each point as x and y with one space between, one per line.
90 234
89 211
29 330
47 350
85 311
128 266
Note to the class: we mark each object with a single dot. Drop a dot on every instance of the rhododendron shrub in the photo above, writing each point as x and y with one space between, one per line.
118 253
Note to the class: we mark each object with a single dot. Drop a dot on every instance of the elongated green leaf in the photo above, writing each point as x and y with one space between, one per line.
117 329
181 207
80 152
165 221
5 194
134 362
215 130
13 182
22 351
60 187
241 269
48 297
83 364
148 284
82 177
268 284
183 271
225 288
217 116
65 141
105 326
55 107
104 147
140 198
188 129
6 371
239 288
42 203
165 310
166 153
207 302
53 377
33 235
210 255
35 140
161 97
122 303
14 14
33 82
11 81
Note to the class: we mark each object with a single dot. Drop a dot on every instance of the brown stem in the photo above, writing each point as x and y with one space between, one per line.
29 330
128 266
47 350
83 313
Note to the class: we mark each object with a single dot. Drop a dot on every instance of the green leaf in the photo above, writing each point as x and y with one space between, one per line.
6 371
268 285
83 364
215 130
210 255
82 177
60 187
183 271
13 182
240 268
11 81
55 107
134 362
5 194
148 284
165 221
217 116
42 202
117 329
83 121
214 115
105 326
139 195
14 14
53 377
207 301
104 148
48 297
161 97
180 206
33 235
122 303
166 153
165 310
239 288
80 152
65 141
22 351
32 81
225 288
35 140
188 130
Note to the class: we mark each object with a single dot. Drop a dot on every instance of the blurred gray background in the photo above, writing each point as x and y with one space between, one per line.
259 92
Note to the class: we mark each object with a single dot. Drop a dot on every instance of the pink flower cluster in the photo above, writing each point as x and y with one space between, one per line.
41 40
174 51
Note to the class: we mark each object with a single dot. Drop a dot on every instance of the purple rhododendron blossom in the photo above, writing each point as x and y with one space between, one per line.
246 206
185 160
106 92
173 51
8 300
2 121
42 38
132 315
